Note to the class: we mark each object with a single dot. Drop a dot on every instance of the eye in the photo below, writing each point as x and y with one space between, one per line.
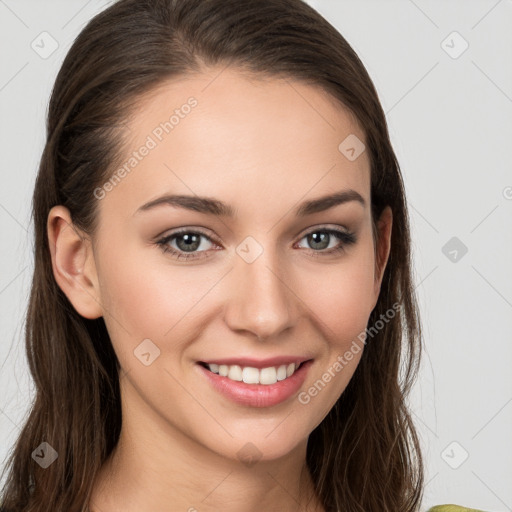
320 240
188 242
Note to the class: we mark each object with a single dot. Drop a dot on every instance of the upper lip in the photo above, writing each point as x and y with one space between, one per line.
257 363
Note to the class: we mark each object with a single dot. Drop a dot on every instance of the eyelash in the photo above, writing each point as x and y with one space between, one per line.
345 237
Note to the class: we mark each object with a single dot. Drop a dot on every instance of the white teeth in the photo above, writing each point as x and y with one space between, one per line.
235 372
251 375
281 372
268 376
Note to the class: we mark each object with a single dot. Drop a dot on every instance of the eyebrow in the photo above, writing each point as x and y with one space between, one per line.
215 207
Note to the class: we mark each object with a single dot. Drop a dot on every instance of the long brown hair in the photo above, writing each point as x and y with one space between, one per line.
365 455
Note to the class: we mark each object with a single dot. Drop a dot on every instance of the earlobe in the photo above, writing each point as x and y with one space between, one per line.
384 228
73 263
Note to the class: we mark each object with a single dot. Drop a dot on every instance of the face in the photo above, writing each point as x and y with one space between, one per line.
263 283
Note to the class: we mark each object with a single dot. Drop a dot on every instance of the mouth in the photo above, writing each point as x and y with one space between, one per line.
259 385
265 376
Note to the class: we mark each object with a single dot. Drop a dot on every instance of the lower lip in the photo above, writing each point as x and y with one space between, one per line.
258 395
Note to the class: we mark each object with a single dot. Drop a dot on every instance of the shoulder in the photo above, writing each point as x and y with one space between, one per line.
452 508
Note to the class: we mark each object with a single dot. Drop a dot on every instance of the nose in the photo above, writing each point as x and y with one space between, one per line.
261 298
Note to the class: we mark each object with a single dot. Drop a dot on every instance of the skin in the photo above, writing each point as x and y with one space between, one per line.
263 147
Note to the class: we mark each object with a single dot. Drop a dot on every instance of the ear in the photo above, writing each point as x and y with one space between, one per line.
73 263
384 226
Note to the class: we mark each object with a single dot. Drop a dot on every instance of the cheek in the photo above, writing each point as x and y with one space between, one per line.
341 301
144 300
342 297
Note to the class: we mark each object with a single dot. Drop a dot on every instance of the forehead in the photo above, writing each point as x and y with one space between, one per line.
241 138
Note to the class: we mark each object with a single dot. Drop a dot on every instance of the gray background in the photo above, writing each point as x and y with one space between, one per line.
449 114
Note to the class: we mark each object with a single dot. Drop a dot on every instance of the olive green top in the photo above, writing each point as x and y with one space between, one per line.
452 508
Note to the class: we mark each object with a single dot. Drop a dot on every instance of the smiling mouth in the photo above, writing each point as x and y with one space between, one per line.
250 375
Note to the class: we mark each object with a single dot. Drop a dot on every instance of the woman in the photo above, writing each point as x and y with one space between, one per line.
222 295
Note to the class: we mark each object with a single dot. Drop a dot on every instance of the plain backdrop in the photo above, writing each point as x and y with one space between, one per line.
443 71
